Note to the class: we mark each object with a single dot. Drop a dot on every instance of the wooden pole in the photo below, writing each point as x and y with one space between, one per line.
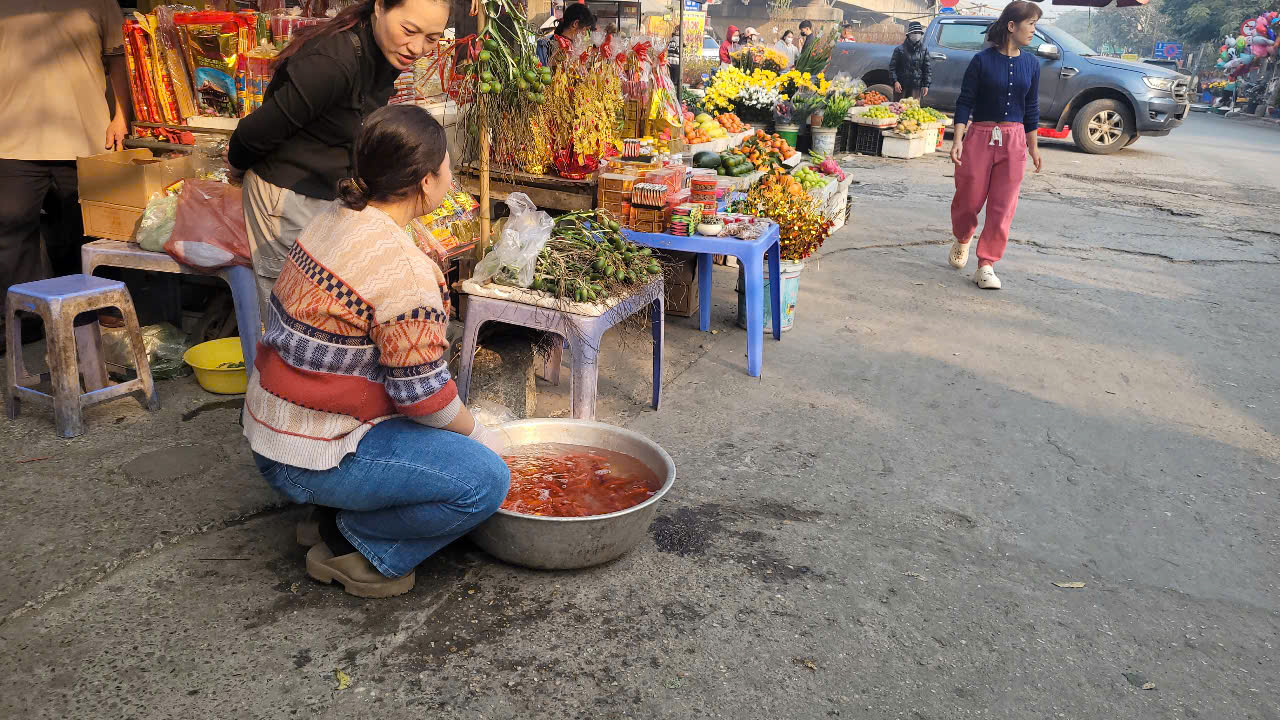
482 246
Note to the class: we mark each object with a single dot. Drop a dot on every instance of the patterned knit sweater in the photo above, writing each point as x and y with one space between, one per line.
355 334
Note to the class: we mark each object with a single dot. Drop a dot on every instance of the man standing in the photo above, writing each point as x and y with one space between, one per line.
806 32
53 109
909 66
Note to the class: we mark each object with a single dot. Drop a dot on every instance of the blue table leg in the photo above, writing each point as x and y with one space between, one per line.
657 318
775 288
704 291
753 271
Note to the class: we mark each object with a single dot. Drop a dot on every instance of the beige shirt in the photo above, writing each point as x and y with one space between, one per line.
53 102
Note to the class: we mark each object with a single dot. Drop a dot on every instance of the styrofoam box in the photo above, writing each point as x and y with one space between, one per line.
902 148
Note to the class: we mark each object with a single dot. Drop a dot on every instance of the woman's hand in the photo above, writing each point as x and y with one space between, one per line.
1034 152
957 150
495 440
897 87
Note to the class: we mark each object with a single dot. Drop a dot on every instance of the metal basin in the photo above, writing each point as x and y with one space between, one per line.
555 543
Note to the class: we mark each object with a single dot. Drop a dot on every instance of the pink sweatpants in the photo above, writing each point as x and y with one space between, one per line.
990 173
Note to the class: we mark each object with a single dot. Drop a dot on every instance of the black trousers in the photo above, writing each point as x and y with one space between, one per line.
27 187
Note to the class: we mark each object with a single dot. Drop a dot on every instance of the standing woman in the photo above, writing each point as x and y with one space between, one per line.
996 119
296 147
729 46
577 19
787 46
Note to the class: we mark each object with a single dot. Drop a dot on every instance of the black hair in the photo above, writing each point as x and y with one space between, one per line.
1015 12
785 33
398 146
576 13
806 25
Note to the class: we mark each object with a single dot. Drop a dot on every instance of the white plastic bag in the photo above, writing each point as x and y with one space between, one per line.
512 260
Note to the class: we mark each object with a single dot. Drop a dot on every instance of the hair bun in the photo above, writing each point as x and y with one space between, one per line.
354 193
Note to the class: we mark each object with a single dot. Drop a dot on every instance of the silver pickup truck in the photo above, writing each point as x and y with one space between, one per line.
1108 103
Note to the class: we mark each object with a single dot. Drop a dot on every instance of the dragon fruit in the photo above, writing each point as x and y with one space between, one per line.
827 165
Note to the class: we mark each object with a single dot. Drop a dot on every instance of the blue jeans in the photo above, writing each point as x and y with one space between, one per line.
407 491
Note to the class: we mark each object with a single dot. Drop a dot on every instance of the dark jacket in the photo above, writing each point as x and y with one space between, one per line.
303 136
910 66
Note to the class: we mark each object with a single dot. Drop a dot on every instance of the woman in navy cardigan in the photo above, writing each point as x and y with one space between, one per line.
996 120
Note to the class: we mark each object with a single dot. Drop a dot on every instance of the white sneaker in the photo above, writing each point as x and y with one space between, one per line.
960 254
986 278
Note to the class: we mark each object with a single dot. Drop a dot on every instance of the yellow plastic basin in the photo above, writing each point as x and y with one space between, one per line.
211 361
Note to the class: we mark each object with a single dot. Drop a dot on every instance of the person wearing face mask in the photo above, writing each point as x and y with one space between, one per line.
295 148
806 32
577 20
730 45
909 67
997 116
350 404
787 46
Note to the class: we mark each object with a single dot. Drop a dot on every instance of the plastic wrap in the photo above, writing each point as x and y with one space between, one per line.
512 260
165 345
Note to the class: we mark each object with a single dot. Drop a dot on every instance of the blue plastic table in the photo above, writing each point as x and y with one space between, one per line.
748 253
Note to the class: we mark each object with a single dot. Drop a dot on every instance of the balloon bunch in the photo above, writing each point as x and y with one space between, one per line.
1257 40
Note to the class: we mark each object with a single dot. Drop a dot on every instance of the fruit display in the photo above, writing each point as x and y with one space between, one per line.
708 160
880 112
871 97
827 165
735 164
896 108
918 114
908 127
809 178
587 259
765 150
731 123
702 128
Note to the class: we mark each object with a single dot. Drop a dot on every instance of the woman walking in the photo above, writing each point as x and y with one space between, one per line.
299 144
996 119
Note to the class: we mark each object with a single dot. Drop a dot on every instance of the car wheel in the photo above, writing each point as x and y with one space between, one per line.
1103 127
885 90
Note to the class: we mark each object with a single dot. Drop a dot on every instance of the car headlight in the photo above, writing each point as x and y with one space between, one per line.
1159 83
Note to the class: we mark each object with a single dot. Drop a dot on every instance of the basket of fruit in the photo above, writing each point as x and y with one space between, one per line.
871 97
876 116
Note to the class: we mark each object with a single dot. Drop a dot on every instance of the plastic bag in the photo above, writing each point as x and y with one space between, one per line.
490 414
157 222
512 260
209 232
165 345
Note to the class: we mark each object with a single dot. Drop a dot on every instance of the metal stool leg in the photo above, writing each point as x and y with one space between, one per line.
584 373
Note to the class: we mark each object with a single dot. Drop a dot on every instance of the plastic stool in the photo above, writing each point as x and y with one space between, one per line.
244 289
583 333
58 301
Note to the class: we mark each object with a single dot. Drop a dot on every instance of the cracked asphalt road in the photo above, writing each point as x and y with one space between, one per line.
873 529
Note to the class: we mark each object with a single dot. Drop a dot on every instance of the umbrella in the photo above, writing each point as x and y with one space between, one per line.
1099 3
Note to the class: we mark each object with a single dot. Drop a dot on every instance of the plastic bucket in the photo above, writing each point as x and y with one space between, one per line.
790 133
790 291
219 366
824 140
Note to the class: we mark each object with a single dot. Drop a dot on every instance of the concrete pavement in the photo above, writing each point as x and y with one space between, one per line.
872 529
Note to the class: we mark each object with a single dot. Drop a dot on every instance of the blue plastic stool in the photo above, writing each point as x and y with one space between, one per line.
69 350
749 254
244 289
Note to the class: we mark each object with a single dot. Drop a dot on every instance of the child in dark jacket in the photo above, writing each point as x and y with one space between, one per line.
909 66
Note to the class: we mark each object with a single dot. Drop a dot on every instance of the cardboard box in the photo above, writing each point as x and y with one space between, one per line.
616 182
614 197
128 178
111 222
680 282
